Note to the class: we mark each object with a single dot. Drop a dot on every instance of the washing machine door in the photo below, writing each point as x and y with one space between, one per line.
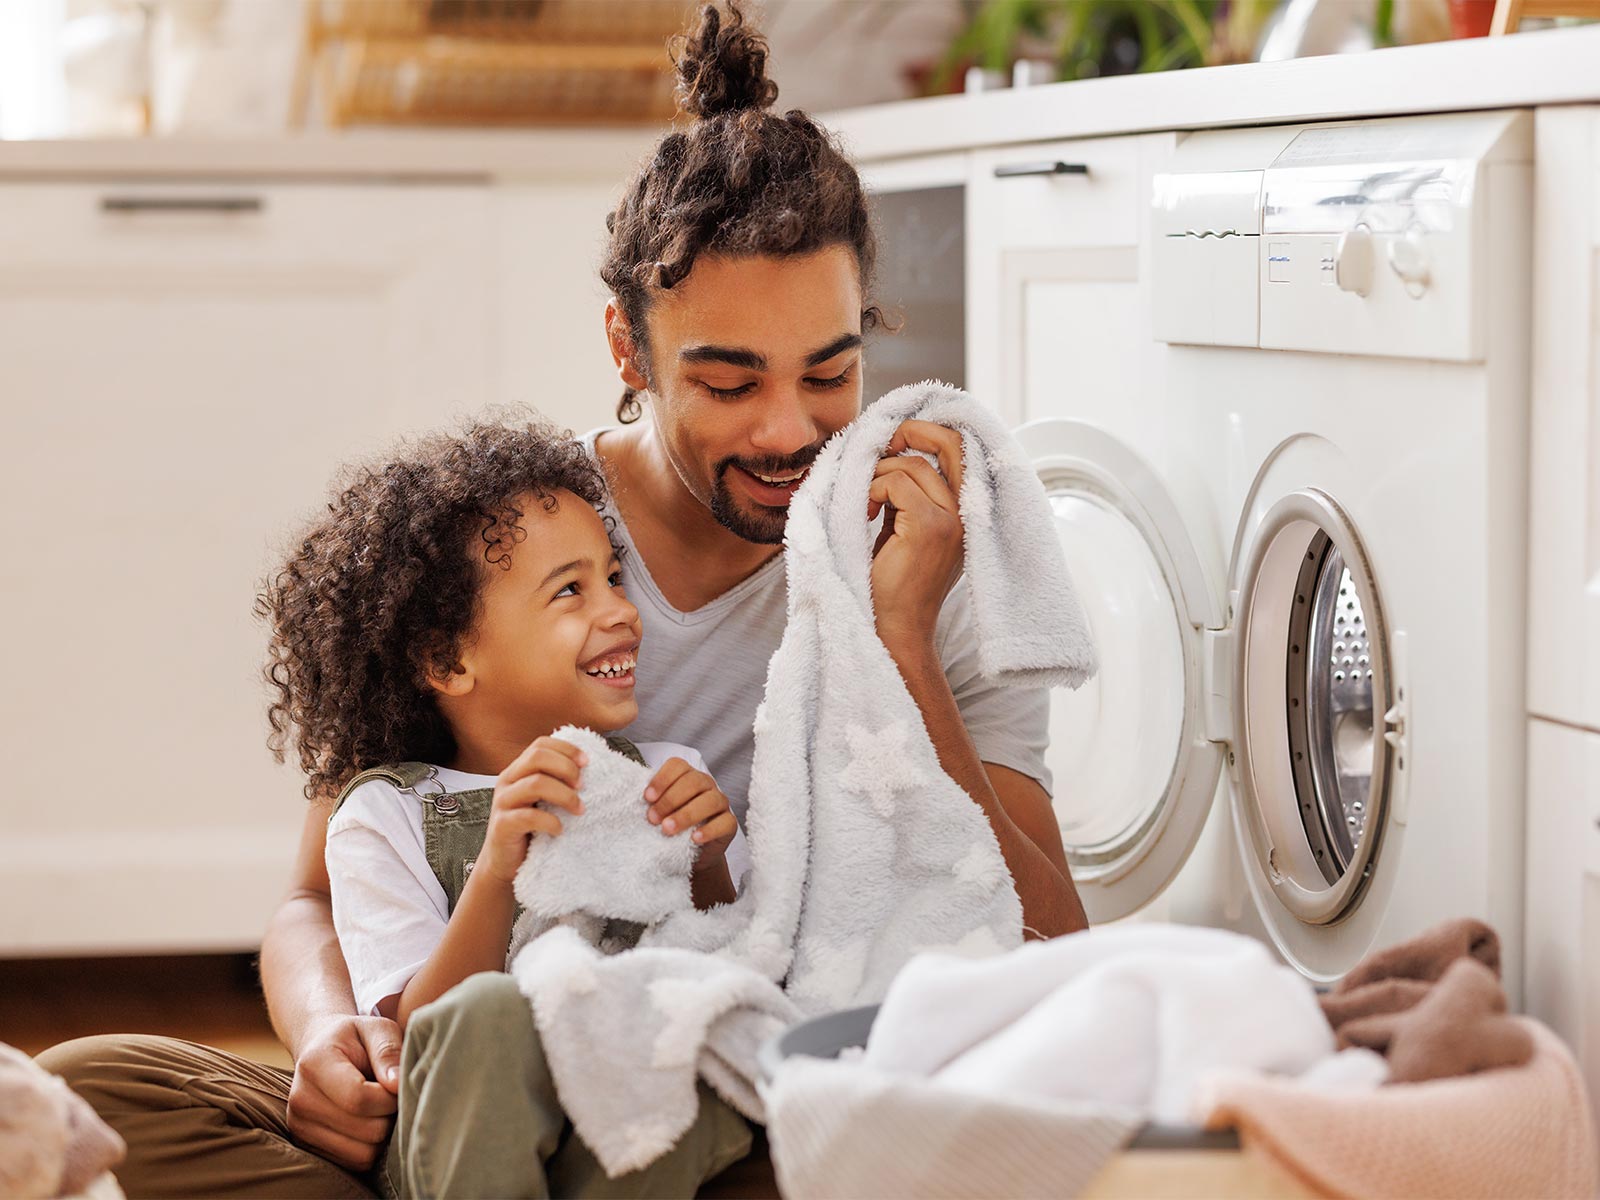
1318 711
1134 771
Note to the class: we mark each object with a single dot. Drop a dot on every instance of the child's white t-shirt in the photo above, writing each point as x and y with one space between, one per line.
389 908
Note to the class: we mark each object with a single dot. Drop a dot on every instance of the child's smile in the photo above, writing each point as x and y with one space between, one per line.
614 668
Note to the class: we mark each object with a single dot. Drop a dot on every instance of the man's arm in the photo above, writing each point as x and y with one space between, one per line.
1018 809
335 1107
302 972
916 561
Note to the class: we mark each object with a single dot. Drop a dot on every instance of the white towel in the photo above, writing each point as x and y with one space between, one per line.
846 1131
863 852
1079 1040
574 878
1128 1015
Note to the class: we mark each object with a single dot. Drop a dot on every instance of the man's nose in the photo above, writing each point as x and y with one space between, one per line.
784 424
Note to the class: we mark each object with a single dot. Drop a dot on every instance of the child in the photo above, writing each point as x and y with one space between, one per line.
452 609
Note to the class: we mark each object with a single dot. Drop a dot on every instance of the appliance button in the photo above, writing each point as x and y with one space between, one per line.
1409 260
1352 261
1277 262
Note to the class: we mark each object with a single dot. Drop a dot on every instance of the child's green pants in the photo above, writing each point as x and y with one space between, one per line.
479 1115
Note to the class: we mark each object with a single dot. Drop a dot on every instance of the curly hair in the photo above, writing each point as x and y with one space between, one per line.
383 591
738 181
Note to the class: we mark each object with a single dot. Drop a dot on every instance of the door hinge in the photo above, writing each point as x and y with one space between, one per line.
1397 730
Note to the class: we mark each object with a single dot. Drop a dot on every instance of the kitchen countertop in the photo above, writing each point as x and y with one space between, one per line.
1553 66
1558 66
376 155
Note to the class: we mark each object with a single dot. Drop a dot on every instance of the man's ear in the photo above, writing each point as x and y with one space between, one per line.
624 351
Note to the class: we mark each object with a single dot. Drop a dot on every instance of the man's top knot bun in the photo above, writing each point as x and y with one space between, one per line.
722 67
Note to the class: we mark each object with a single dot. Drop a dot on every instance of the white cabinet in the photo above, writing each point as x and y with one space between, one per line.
550 348
1562 951
1564 550
1057 245
1562 976
181 369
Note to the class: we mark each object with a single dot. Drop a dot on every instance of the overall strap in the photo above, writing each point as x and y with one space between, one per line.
403 776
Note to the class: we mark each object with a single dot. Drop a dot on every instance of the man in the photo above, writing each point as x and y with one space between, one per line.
739 260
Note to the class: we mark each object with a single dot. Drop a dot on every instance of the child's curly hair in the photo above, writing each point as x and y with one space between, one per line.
383 590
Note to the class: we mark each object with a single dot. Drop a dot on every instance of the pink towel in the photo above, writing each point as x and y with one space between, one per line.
51 1141
1519 1131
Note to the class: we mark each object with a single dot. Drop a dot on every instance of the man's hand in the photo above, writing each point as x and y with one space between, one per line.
335 1107
919 553
682 798
545 774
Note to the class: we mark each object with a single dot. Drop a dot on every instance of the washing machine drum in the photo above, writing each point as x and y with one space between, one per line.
1291 697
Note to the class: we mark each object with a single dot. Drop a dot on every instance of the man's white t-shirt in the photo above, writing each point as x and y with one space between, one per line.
389 909
701 674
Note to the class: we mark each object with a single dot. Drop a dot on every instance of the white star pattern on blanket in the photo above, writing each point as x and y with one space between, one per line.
981 866
880 766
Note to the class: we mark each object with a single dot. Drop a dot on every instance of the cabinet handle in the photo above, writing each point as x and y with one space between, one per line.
181 204
1016 170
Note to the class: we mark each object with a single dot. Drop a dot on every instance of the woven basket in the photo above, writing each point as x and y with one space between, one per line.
491 62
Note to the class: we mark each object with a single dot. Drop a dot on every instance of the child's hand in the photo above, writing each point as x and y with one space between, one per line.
545 773
682 798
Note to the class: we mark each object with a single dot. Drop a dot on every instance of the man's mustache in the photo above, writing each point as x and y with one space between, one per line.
786 465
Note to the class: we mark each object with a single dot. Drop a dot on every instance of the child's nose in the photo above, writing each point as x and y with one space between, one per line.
622 611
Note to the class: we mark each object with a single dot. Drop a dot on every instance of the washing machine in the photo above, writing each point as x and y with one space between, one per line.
1307 574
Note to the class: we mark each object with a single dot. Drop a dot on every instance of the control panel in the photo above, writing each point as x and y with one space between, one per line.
1366 238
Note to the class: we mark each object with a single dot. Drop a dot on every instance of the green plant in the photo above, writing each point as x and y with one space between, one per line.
1094 37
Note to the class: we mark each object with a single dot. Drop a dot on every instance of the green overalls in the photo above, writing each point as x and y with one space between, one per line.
454 824
479 1114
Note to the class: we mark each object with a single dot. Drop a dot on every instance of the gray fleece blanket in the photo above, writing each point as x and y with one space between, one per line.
863 852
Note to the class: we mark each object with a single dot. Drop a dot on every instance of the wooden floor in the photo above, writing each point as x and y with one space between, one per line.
214 999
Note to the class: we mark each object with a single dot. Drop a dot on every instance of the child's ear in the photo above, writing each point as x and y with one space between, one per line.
453 680
624 350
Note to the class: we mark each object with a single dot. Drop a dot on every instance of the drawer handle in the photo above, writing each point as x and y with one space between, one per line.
181 204
1017 170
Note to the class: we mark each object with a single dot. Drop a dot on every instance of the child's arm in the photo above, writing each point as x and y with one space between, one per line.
546 772
682 798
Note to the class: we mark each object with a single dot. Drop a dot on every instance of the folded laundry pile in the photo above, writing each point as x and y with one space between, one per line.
51 1142
863 851
1433 1006
1022 1075
1479 1103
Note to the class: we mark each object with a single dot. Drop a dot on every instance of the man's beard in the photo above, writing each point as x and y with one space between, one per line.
746 519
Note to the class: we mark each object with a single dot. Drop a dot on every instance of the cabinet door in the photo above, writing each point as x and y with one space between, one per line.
1057 246
1564 474
182 370
1561 960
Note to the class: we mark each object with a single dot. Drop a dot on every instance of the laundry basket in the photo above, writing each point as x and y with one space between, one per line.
829 1035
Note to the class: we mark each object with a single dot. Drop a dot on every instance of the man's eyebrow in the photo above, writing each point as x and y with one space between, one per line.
731 355
839 345
562 570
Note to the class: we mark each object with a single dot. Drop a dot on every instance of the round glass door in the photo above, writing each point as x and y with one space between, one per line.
1114 742
1134 776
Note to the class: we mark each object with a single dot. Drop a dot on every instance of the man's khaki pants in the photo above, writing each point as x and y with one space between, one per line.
478 1116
